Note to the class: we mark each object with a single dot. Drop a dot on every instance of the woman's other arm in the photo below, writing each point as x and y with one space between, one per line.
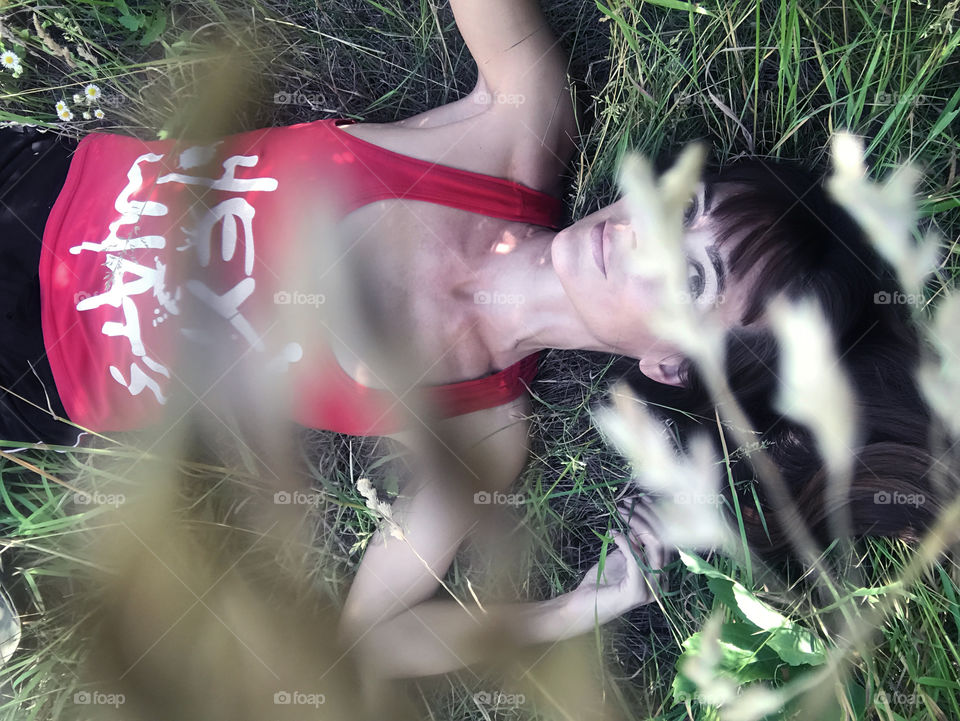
390 619
516 54
523 69
515 50
436 515
441 636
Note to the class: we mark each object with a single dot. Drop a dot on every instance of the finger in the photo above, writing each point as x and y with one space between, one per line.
625 515
639 579
656 552
636 522
623 544
650 552
643 500
613 566
649 548
650 564
644 511
643 531
646 532
652 539
641 588
650 516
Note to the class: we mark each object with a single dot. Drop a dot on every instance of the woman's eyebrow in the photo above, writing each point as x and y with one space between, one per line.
714 256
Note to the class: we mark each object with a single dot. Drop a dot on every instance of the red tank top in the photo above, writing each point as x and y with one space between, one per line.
109 312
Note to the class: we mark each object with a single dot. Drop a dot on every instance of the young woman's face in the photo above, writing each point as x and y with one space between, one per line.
615 305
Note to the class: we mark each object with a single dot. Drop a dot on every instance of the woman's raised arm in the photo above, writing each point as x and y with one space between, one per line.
515 50
439 636
436 515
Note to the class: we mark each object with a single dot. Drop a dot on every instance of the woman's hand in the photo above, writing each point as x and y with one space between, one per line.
624 584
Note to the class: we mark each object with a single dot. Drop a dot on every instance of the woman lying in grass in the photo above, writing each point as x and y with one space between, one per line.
452 222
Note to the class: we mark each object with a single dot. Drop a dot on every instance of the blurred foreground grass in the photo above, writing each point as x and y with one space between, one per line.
758 78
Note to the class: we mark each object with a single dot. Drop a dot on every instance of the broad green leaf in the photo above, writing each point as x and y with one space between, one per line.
131 22
856 695
683 689
794 644
158 23
744 658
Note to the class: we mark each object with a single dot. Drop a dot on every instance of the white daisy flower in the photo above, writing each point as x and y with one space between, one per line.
92 93
10 61
61 107
86 115
77 98
66 115
98 114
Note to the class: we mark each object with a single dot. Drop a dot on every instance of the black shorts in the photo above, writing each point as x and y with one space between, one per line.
33 168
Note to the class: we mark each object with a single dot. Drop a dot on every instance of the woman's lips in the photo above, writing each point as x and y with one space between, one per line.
596 244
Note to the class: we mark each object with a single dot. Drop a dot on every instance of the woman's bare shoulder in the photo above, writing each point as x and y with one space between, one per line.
506 138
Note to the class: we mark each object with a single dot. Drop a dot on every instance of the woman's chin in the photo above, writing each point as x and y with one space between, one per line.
563 255
558 252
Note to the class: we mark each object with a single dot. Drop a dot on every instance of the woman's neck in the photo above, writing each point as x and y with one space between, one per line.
518 301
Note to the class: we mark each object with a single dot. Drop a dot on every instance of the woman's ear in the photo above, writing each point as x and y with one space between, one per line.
665 371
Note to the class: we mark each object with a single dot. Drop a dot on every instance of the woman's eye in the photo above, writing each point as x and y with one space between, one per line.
691 211
696 279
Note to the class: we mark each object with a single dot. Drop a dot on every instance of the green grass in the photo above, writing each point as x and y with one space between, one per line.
770 79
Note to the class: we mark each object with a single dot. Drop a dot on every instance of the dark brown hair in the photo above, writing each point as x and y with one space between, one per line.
780 215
